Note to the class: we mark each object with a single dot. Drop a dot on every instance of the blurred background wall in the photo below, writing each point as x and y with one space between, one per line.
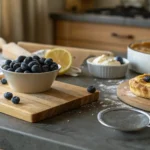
28 19
107 3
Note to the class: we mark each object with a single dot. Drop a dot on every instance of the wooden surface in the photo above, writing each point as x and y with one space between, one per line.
115 48
98 35
78 54
125 95
35 107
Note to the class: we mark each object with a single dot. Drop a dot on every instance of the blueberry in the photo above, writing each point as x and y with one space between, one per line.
27 60
8 95
16 65
19 70
24 66
21 58
5 67
38 61
15 100
42 60
118 58
12 63
91 89
54 66
33 63
7 62
36 69
27 71
36 57
45 68
48 61
3 81
11 69
146 78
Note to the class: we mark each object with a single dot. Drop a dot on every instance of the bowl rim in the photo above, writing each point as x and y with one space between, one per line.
3 70
89 62
140 41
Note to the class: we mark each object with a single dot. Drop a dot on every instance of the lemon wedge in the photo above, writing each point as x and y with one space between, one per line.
60 56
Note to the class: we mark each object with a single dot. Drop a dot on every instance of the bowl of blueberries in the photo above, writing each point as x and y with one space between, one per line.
31 74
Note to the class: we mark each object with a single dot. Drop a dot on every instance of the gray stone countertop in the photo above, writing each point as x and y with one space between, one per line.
78 129
95 18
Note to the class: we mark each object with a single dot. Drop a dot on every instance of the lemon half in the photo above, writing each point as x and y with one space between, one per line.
60 56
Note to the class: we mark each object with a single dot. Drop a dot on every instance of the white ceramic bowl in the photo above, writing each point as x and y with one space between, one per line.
30 82
102 71
139 62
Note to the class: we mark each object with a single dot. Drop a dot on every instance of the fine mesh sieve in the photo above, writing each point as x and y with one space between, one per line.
124 119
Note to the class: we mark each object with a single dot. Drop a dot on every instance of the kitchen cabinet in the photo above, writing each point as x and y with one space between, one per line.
98 35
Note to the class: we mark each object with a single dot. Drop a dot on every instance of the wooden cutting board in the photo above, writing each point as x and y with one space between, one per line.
35 107
125 95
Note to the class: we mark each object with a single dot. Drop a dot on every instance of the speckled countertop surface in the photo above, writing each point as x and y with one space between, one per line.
95 18
78 129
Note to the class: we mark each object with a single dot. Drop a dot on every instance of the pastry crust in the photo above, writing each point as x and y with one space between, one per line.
139 87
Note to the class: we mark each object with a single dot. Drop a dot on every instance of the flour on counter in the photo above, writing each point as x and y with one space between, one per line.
118 81
109 98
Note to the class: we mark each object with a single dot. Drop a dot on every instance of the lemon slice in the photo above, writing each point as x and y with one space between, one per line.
62 57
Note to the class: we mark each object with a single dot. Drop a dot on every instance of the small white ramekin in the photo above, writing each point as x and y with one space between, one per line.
102 71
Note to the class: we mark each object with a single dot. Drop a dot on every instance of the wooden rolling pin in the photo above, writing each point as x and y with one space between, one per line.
12 51
79 54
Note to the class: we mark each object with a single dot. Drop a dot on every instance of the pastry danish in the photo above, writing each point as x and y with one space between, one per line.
140 85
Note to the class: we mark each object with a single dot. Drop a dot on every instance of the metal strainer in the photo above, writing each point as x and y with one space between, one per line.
124 119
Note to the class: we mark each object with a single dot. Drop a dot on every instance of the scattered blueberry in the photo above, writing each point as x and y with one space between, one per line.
24 66
33 63
45 68
19 70
36 57
5 67
15 100
7 62
118 58
48 61
3 81
146 78
21 58
8 95
53 67
91 89
27 60
27 71
36 69
16 65
10 69
42 60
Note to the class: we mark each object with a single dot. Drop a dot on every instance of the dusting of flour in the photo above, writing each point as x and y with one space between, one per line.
108 93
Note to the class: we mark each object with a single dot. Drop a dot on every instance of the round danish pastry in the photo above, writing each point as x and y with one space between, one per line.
140 85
